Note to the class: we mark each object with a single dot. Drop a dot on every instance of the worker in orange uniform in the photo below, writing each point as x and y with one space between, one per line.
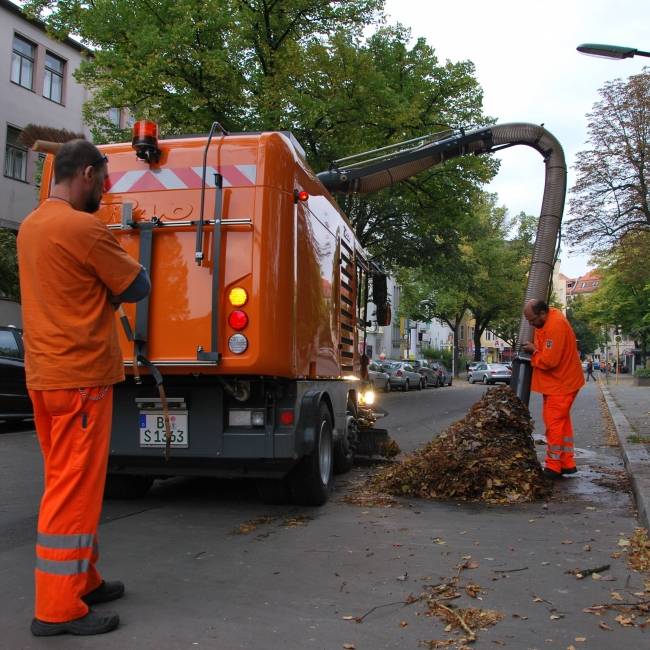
557 374
73 273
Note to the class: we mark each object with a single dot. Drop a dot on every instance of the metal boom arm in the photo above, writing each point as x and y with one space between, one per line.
395 164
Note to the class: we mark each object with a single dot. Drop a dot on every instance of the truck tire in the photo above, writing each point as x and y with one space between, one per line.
127 486
273 491
311 480
346 446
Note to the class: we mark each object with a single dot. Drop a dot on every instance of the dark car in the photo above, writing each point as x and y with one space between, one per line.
14 399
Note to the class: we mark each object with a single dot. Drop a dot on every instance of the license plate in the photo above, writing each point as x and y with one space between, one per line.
152 429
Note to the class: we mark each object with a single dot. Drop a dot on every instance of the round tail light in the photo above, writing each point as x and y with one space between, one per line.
238 319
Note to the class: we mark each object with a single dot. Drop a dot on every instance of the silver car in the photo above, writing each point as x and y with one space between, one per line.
403 375
378 378
490 373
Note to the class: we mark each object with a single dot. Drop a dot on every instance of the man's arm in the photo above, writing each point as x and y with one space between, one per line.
550 353
137 290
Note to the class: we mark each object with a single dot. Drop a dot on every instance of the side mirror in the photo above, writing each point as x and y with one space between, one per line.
380 298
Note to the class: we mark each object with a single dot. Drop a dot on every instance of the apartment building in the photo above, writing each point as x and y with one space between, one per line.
37 87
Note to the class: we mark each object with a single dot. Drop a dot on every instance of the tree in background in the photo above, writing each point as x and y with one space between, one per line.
610 197
586 330
8 266
328 70
623 297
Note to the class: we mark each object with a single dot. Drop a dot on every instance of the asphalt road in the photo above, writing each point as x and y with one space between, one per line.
289 581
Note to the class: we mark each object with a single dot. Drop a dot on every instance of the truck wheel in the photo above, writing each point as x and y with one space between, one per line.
273 491
345 447
311 481
126 486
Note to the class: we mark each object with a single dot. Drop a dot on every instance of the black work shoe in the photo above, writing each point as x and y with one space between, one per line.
106 592
569 470
91 623
549 473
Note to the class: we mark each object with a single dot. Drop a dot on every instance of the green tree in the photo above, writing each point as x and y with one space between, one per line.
315 67
623 297
587 332
8 265
610 197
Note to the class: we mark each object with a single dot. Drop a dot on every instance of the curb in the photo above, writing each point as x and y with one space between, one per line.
635 457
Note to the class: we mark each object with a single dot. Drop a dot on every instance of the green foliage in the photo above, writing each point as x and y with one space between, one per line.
588 333
642 372
329 70
9 287
623 297
442 355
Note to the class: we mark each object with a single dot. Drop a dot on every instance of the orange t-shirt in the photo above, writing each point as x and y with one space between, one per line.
69 263
556 363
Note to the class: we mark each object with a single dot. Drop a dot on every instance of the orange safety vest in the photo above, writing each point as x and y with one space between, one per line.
556 363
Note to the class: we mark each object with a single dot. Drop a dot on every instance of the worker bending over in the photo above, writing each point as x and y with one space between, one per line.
557 374
73 273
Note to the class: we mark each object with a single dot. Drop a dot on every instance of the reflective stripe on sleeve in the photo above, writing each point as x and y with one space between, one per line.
65 541
62 567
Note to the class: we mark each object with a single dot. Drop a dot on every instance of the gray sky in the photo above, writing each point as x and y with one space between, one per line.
527 64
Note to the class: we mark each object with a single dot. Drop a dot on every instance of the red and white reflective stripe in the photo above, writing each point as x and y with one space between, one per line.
180 178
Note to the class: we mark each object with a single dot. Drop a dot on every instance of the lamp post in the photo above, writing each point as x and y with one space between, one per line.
610 51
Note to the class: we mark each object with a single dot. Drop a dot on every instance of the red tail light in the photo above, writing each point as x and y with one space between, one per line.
238 319
399 373
286 417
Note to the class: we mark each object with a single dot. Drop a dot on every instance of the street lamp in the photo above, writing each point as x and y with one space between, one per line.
610 51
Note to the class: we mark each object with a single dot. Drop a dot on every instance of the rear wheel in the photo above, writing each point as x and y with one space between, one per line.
126 486
420 383
311 481
406 386
485 380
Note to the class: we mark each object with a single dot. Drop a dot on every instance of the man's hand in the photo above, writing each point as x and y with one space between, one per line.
529 348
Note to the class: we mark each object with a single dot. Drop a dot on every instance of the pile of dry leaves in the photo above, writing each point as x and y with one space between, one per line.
488 456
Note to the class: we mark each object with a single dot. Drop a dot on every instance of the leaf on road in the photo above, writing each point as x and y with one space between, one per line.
349 646
625 621
624 542
580 639
403 624
251 525
603 626
639 555
616 596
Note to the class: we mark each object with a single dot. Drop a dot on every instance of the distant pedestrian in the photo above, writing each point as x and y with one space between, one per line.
557 374
590 370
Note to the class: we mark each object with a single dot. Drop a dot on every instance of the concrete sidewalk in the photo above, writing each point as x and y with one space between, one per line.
629 406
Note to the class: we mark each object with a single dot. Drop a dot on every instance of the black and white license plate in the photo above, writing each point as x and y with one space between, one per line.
152 429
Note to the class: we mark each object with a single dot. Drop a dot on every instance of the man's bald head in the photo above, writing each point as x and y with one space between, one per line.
536 312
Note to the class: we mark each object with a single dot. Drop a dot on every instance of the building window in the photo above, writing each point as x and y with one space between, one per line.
22 62
53 78
15 156
114 115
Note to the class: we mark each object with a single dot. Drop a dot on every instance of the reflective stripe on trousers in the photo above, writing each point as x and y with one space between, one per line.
73 430
559 431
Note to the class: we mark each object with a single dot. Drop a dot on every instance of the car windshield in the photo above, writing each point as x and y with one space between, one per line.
391 364
497 366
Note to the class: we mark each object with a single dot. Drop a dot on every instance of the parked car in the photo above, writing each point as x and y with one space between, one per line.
490 373
445 377
14 399
472 366
378 378
430 374
403 375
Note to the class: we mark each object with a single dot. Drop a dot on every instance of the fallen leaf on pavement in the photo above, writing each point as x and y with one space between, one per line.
603 626
403 623
623 542
581 639
349 646
616 596
625 621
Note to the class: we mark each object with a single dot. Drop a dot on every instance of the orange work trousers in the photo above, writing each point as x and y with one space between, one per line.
74 429
559 431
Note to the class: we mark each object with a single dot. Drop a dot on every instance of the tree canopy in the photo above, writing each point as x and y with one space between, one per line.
331 71
611 196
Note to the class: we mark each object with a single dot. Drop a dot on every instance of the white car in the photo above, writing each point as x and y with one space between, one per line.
490 373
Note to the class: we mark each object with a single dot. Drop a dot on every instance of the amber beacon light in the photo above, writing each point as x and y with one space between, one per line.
145 141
